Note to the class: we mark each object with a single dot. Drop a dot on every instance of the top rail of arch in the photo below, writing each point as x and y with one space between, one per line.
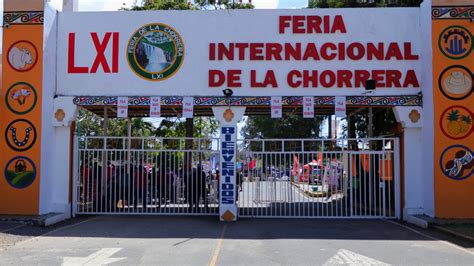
365 100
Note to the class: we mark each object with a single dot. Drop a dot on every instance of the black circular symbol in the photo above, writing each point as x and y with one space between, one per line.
20 172
29 138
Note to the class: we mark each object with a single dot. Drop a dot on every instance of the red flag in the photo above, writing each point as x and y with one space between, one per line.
296 165
252 164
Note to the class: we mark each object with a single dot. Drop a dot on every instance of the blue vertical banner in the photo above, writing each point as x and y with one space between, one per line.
228 118
228 206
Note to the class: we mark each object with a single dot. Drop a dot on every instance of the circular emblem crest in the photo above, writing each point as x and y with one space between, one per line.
155 52
20 172
457 162
21 98
456 82
455 42
456 122
22 56
20 135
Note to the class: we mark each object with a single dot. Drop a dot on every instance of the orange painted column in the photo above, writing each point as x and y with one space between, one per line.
453 67
21 108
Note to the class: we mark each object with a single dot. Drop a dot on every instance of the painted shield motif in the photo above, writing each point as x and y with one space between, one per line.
155 52
22 56
21 98
20 172
457 162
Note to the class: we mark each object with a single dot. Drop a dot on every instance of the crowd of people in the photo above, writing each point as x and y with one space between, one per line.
147 186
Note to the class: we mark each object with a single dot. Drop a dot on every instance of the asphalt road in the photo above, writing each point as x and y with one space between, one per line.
166 240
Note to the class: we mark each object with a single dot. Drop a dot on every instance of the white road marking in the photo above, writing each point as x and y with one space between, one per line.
101 257
347 257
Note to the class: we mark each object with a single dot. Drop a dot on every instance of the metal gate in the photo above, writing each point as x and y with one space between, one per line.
120 175
344 178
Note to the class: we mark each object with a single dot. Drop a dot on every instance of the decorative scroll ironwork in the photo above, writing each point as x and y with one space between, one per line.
23 17
399 100
452 12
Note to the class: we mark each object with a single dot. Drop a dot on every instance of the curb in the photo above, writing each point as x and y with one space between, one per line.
39 220
416 221
453 233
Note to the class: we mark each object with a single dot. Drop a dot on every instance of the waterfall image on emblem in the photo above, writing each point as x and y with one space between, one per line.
155 52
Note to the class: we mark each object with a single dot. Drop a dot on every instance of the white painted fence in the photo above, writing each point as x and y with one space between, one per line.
119 175
344 178
305 178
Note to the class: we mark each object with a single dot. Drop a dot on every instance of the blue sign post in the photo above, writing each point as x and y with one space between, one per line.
228 117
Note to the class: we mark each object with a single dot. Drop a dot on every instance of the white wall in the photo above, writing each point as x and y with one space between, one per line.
55 139
419 136
414 186
200 28
415 189
50 185
427 131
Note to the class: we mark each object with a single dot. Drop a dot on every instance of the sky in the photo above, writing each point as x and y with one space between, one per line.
111 5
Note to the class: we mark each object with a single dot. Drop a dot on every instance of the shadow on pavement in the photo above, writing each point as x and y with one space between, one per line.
209 227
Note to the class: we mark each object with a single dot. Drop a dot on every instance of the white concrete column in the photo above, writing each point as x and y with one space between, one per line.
228 118
54 185
70 5
57 168
415 187
426 55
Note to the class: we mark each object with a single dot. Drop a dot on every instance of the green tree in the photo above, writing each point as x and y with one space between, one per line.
90 124
224 4
175 127
164 5
290 126
185 5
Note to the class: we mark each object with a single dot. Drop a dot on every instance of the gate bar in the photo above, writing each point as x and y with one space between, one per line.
396 158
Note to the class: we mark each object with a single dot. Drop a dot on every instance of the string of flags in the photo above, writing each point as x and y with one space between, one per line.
276 107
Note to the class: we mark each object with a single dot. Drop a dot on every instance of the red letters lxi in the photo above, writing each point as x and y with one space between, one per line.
100 45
